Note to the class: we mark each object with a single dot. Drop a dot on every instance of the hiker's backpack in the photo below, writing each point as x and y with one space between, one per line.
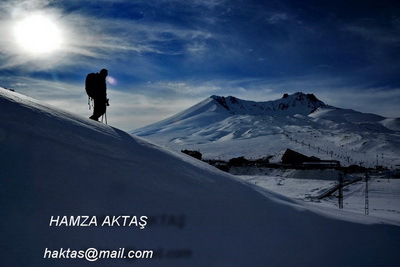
91 82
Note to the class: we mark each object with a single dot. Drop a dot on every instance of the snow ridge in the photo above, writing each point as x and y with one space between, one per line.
298 103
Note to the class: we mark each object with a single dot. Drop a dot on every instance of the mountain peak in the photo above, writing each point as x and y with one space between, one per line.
297 103
299 96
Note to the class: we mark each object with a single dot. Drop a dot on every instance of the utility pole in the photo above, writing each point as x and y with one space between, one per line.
340 198
366 194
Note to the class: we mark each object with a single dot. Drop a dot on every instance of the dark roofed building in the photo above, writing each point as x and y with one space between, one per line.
296 158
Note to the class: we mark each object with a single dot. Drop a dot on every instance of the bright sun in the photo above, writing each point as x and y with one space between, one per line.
37 34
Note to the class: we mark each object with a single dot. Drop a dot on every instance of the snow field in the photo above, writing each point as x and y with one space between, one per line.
383 194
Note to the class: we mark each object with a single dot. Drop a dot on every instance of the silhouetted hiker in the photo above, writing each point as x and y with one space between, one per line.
96 88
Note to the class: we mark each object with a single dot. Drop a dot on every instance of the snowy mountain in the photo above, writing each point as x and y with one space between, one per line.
69 184
227 127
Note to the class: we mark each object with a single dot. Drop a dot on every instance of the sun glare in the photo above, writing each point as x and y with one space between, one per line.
37 34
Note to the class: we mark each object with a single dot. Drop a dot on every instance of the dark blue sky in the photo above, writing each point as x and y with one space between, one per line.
166 55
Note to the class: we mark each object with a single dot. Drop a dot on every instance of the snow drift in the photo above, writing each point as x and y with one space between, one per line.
54 163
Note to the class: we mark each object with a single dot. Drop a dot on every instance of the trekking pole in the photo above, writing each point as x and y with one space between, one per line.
105 116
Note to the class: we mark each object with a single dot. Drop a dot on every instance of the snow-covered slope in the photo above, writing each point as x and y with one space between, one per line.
228 127
54 163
